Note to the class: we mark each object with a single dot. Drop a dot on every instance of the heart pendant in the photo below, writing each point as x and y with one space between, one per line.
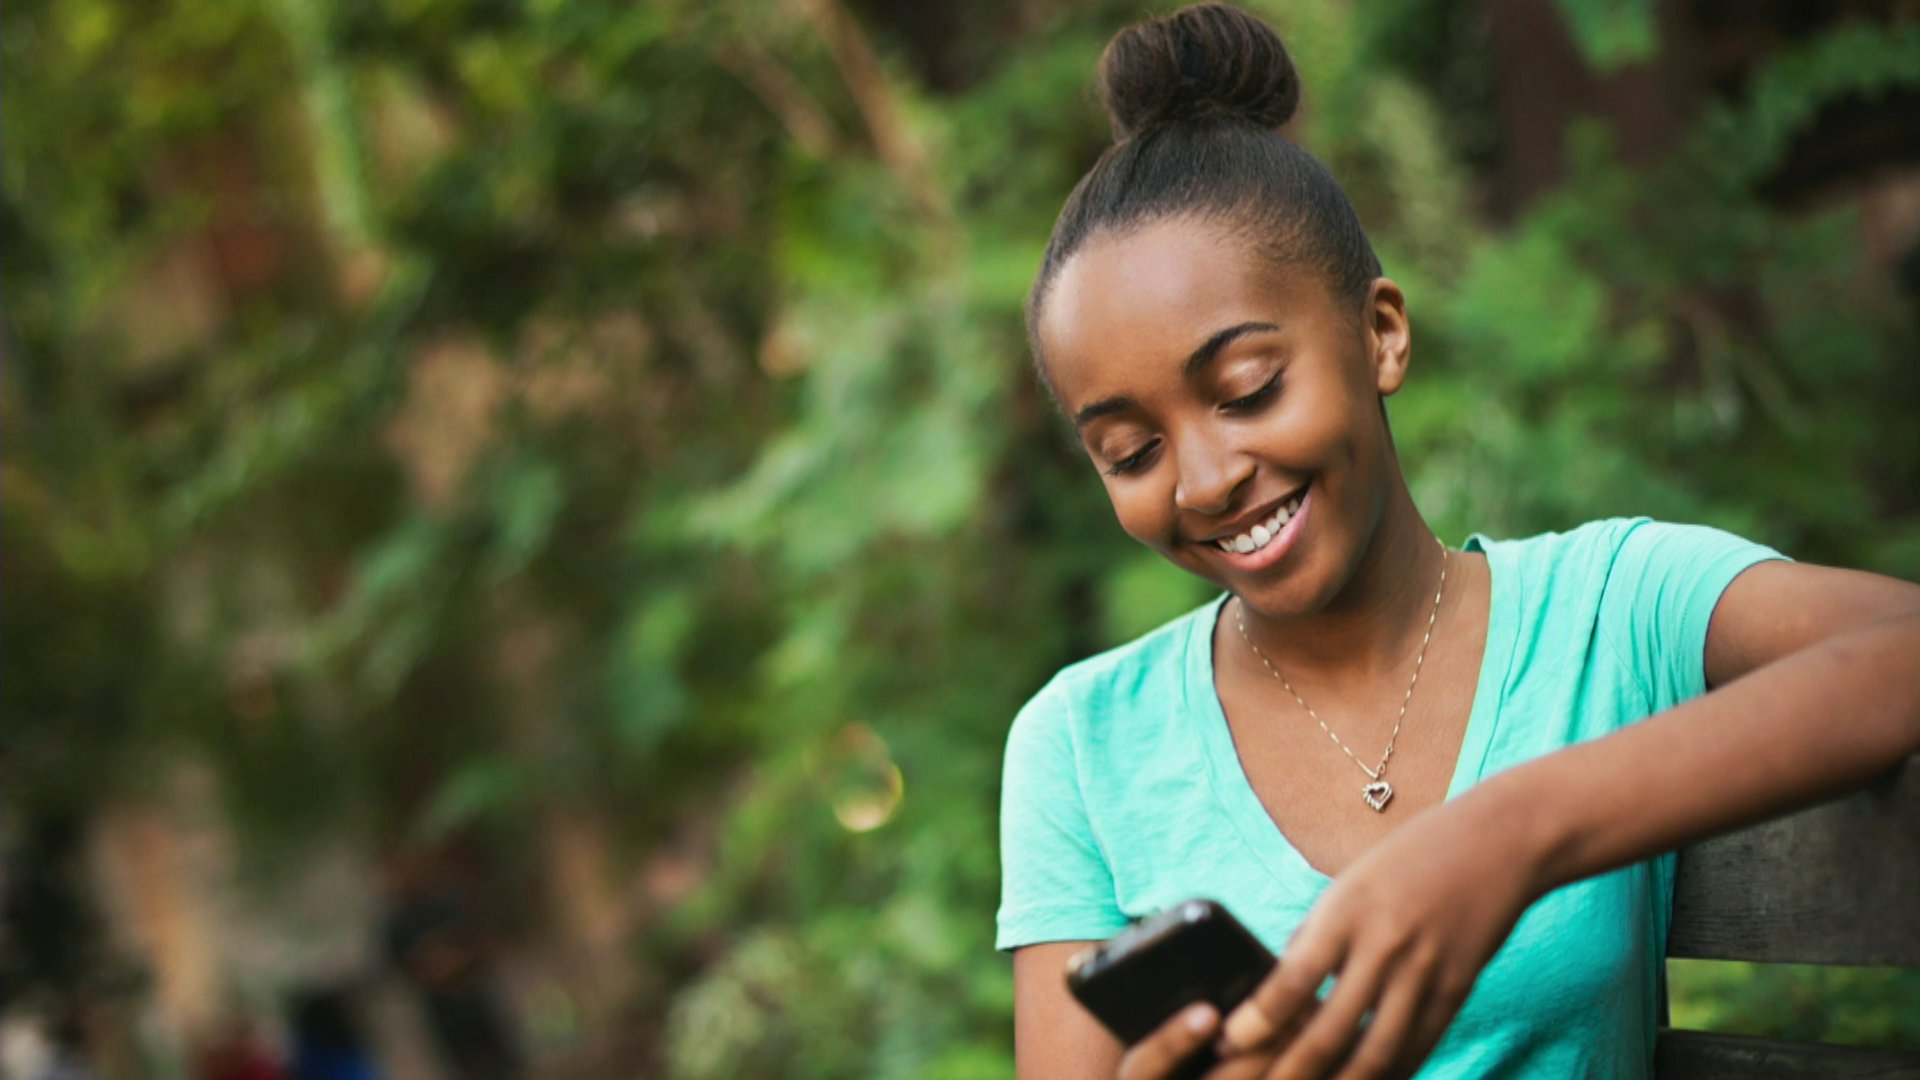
1377 794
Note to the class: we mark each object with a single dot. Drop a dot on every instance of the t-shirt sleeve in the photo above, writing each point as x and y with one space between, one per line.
1660 594
1054 881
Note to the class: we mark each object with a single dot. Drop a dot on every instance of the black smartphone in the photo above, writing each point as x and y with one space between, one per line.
1194 951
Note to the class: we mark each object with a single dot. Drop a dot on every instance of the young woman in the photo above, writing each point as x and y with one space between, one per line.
1446 779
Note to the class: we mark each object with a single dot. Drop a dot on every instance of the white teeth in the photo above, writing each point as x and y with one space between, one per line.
1264 533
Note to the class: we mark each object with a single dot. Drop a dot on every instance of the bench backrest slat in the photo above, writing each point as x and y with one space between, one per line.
1698 1055
1837 884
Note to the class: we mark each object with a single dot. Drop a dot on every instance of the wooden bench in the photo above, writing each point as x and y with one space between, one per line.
1838 884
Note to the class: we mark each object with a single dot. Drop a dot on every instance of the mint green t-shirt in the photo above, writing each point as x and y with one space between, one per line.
1122 793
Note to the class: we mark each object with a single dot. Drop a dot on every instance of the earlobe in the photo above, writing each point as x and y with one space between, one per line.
1389 334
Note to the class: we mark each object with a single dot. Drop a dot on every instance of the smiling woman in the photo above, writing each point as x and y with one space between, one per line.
1197 357
1449 780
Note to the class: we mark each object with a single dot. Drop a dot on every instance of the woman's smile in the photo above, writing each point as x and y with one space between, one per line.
1267 541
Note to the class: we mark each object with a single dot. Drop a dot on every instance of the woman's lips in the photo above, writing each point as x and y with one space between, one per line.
1276 549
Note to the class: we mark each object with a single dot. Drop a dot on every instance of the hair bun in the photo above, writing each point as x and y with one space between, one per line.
1207 60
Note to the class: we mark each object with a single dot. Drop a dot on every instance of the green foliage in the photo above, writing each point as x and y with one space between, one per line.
1854 1007
1613 33
436 412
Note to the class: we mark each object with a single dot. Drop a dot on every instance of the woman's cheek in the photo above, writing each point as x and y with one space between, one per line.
1133 507
1127 512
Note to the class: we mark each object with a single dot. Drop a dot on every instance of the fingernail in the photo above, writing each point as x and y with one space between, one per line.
1199 1018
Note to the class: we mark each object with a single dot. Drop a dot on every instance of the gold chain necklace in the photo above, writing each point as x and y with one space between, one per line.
1378 792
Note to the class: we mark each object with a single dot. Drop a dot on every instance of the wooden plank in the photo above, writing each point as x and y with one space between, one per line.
1700 1055
1836 884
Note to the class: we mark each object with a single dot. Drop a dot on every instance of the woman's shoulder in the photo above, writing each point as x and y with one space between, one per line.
1607 546
1111 708
1599 534
1152 654
1148 668
1648 587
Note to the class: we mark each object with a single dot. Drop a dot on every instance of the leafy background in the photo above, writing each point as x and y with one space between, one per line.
594 443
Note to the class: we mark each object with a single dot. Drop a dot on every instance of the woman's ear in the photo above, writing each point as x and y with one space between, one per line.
1389 337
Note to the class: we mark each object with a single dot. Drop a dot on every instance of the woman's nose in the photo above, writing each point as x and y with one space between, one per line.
1207 478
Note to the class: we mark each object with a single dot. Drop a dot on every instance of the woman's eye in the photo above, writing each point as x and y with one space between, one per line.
1134 461
1266 391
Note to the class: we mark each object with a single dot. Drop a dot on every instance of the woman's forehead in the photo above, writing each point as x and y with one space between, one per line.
1144 299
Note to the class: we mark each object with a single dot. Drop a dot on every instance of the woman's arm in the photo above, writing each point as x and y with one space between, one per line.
1819 691
1818 672
1053 1036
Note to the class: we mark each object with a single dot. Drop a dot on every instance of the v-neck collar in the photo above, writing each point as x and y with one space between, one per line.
1207 720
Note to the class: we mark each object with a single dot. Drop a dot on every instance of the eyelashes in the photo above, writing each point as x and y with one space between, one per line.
1133 462
1141 458
1267 390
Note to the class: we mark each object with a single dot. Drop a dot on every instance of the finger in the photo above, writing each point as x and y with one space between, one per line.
1382 1051
1278 1038
1327 1037
1171 1043
1277 1007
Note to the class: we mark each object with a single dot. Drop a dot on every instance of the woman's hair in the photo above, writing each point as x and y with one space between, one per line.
1195 99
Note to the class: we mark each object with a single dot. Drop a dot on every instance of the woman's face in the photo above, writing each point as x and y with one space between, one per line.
1232 407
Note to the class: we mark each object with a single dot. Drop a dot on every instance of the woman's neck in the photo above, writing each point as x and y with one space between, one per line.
1373 625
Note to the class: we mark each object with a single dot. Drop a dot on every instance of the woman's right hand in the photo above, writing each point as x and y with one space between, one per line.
1159 1054
1183 1034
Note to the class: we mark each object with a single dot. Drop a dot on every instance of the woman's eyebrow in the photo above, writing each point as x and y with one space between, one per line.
1103 407
1200 358
1210 348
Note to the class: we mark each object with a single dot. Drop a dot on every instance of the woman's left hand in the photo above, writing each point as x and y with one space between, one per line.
1405 930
